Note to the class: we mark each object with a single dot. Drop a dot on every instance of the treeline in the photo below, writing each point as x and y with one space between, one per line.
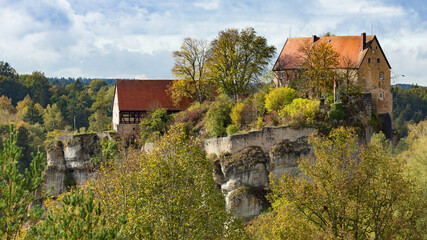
41 111
409 106
63 82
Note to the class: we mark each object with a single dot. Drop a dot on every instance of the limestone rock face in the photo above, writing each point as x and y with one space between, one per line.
68 160
284 156
244 173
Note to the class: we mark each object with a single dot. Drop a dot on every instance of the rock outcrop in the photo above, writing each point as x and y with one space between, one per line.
247 161
68 160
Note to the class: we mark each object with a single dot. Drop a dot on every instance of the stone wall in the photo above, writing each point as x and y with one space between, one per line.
68 160
246 162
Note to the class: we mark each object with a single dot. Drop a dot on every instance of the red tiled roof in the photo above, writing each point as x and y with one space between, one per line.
348 47
143 95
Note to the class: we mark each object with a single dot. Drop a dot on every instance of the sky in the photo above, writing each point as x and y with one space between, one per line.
135 38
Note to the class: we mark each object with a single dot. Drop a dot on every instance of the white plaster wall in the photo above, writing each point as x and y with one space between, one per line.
116 110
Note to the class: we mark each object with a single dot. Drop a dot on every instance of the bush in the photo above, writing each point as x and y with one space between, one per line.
243 114
259 104
271 119
232 129
336 112
300 111
154 125
218 116
192 117
278 98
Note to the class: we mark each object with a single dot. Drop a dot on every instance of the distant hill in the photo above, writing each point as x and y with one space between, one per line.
406 86
86 81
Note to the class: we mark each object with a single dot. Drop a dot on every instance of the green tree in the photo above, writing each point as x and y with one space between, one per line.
155 125
238 59
191 71
18 191
96 85
38 85
53 118
33 115
317 76
346 192
75 215
102 110
218 117
168 193
6 70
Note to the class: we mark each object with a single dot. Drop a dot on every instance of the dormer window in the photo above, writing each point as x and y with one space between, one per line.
381 75
369 60
378 60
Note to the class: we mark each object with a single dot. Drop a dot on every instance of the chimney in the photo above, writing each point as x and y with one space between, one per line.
314 38
363 38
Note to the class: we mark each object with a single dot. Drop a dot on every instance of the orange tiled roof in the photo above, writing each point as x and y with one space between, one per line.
348 47
143 95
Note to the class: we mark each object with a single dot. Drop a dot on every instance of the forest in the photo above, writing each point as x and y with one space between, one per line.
350 191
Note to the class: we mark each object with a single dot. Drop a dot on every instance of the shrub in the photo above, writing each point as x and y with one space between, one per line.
300 111
232 129
271 119
243 114
259 104
278 98
192 117
218 116
154 125
336 112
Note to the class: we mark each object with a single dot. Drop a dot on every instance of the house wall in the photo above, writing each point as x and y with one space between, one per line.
116 111
369 74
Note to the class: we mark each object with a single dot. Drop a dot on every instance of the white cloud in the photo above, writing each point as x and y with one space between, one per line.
113 38
208 4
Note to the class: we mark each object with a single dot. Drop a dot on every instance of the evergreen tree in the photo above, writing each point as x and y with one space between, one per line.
18 191
33 115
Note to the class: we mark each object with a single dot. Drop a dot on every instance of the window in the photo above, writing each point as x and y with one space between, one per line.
381 95
380 84
369 60
131 117
381 75
378 60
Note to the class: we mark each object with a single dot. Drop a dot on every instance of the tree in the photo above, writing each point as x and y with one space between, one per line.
238 59
154 125
96 85
22 106
318 63
75 215
32 115
39 87
191 71
6 70
168 193
53 118
6 104
18 191
101 109
346 192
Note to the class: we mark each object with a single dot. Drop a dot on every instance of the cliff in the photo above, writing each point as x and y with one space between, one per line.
68 160
245 163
